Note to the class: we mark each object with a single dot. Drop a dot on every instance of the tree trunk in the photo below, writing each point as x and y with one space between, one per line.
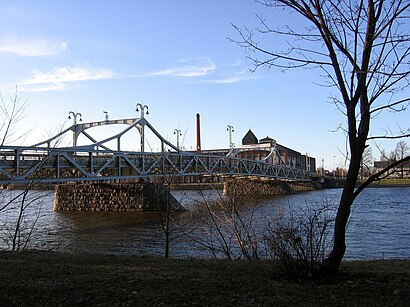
334 260
167 245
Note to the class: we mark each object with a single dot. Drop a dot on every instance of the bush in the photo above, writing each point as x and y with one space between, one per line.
229 227
299 240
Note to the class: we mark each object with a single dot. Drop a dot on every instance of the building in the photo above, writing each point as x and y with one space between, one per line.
249 138
401 171
268 150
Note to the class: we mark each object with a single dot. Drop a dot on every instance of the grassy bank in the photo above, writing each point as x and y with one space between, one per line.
57 279
392 182
384 183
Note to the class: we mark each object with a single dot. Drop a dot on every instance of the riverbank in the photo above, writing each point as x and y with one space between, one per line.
390 183
331 183
63 279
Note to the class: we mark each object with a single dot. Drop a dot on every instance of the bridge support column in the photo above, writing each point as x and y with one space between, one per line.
114 197
17 162
225 189
264 188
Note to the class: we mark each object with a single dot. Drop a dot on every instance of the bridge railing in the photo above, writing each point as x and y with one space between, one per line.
42 164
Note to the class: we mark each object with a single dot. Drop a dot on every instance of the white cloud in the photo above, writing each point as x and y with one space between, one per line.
56 80
33 48
236 78
203 68
69 74
43 88
187 71
237 62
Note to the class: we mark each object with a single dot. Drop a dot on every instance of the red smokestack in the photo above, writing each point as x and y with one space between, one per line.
198 133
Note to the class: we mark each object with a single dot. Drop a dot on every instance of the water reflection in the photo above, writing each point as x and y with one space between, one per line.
379 225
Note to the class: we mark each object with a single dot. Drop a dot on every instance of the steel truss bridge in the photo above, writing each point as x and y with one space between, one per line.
48 163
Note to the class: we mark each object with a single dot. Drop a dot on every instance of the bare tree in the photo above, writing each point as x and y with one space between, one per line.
392 156
19 209
383 155
19 215
229 226
402 150
168 207
11 112
16 236
366 163
362 48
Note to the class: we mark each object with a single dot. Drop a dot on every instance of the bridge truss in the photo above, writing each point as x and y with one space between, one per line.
58 165
44 163
80 129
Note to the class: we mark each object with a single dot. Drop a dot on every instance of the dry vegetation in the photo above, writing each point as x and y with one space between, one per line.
57 279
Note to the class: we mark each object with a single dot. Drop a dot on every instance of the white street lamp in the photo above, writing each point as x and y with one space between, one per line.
229 128
75 115
178 134
142 107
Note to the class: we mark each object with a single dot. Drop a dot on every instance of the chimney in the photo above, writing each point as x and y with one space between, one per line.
198 133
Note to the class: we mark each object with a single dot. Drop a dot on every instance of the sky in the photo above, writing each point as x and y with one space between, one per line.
176 57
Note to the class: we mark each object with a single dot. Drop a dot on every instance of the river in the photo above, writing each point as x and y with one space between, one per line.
379 226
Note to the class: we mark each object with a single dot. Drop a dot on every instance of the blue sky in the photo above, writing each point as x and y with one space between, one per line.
174 56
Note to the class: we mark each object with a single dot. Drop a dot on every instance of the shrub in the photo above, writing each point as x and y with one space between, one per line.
299 240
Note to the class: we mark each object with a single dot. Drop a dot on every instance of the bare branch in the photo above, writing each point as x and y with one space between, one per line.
389 137
378 175
363 48
391 106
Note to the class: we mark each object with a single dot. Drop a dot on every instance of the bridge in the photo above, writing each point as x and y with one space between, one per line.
47 162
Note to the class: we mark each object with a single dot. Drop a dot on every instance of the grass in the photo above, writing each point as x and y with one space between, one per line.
62 279
398 181
405 182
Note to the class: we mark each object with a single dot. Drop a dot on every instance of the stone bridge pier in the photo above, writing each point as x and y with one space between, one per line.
265 188
142 196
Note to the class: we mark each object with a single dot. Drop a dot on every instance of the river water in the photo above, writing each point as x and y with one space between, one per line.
379 226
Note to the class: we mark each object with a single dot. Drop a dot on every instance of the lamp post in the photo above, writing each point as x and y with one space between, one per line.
178 133
75 115
323 167
229 128
141 107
